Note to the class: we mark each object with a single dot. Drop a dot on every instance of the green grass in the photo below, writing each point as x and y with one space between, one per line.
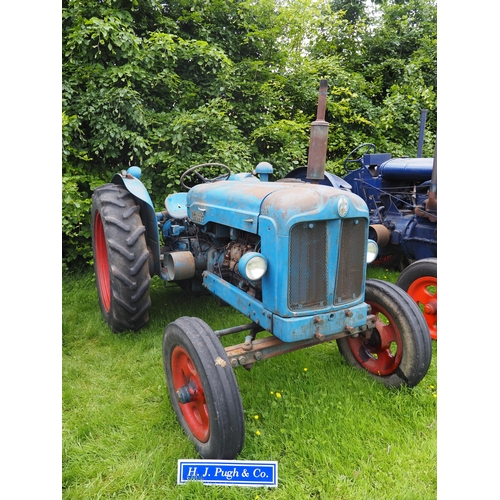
335 433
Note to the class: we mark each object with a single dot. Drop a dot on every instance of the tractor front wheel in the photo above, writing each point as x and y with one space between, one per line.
121 258
398 350
203 388
419 280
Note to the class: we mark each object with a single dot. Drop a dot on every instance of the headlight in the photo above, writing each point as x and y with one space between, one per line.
371 251
252 266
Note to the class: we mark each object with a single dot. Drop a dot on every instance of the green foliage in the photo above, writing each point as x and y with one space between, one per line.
170 85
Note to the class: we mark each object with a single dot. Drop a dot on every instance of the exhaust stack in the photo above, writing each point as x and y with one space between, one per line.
318 140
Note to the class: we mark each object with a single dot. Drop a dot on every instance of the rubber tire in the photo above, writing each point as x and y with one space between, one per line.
414 346
121 258
222 399
412 279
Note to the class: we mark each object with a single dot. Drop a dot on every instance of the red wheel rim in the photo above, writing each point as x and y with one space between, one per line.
424 292
101 263
195 411
380 350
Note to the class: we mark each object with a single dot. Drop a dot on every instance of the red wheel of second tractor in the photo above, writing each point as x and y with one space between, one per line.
419 281
424 292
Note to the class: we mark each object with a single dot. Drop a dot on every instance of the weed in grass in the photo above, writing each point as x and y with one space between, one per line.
334 431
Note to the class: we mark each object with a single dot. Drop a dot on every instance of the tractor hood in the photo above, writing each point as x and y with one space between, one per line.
239 204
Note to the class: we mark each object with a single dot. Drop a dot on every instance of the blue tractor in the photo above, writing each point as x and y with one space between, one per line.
290 255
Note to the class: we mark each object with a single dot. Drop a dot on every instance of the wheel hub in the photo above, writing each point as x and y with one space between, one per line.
430 308
187 393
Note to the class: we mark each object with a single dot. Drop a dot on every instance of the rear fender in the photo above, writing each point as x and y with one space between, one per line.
148 215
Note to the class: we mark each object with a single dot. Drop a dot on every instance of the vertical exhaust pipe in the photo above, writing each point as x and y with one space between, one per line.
433 190
423 119
318 141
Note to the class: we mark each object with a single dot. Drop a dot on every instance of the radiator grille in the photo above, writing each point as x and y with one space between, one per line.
307 279
350 269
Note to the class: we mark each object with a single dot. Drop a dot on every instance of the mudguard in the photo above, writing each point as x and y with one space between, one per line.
329 179
148 215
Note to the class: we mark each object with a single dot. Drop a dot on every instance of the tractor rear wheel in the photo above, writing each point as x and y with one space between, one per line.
398 350
121 258
203 388
419 280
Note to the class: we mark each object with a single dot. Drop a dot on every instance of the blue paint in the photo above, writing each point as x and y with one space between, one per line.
134 186
297 326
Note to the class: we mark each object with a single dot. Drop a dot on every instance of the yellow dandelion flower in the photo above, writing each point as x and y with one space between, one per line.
305 369
256 417
435 395
257 432
278 395
431 386
272 392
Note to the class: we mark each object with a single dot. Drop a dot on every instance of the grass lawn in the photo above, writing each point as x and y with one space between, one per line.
335 433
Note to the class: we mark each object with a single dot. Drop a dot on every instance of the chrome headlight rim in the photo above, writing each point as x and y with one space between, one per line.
371 251
252 266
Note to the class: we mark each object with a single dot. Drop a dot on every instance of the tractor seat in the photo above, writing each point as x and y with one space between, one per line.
176 205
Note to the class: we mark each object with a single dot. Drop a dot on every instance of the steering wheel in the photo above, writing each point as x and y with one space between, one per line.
370 148
195 170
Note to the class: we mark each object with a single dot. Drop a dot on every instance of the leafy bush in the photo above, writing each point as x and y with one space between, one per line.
169 86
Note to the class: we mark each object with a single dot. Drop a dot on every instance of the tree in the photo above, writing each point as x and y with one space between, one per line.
170 85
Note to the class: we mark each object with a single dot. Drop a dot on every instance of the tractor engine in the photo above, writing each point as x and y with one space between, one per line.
215 248
227 267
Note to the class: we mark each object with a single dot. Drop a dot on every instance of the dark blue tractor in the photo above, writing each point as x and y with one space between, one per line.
401 194
289 255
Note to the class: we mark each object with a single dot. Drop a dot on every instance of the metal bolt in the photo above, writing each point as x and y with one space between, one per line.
430 308
259 356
